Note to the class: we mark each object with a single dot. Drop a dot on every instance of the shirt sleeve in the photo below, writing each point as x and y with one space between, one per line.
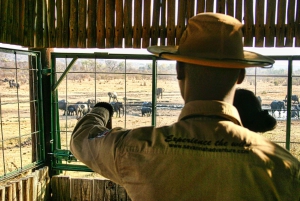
95 145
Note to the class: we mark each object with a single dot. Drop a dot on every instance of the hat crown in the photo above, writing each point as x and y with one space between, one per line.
212 36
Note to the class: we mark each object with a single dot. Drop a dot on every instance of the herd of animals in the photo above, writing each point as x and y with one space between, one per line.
79 109
280 106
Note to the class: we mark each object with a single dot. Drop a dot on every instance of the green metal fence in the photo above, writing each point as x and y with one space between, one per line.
21 113
88 77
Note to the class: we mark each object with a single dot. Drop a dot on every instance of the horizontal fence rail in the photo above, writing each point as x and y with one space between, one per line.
138 24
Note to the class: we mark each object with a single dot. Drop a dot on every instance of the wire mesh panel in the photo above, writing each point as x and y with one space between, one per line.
147 91
20 126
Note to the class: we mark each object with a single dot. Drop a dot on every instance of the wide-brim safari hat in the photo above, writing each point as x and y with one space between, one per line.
212 39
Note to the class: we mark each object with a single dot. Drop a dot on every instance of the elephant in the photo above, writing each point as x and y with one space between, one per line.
277 106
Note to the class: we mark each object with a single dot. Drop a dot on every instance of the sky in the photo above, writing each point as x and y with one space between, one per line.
265 51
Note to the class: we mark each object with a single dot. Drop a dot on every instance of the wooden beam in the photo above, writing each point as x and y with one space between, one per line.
101 32
171 22
146 24
73 23
119 24
91 30
280 26
110 23
259 23
137 28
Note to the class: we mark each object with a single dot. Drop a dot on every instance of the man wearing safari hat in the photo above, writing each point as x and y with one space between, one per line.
207 154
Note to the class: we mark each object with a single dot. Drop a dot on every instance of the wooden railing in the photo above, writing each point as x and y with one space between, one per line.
68 188
32 187
37 186
139 23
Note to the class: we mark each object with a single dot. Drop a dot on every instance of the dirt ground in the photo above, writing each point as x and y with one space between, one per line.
15 118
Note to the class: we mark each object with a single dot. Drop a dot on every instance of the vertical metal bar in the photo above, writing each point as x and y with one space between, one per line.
255 83
2 138
125 100
19 120
53 107
38 79
289 94
154 86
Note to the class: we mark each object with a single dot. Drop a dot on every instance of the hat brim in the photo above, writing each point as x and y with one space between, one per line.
251 59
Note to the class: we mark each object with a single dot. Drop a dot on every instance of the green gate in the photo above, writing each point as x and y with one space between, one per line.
88 77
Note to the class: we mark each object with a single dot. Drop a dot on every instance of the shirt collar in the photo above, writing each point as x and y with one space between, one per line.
211 108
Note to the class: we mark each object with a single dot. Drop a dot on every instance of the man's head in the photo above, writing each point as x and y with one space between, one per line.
210 57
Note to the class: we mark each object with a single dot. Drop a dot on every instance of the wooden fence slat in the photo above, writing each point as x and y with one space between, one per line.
155 22
119 24
51 23
4 5
248 25
2 193
100 24
220 6
39 24
25 189
110 23
73 23
45 25
238 10
137 27
21 22
8 193
230 8
180 21
171 22
31 18
59 23
280 26
16 21
82 24
270 24
209 5
121 193
66 21
98 191
200 6
91 31
9 23
146 24
35 184
61 187
1 18
297 28
190 8
162 32
128 23
13 190
43 183
259 23
110 190
19 190
290 29
81 189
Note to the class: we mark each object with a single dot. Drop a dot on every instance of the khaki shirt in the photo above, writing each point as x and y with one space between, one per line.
206 155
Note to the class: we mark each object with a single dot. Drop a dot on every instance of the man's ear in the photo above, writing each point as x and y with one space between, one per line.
180 71
242 75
